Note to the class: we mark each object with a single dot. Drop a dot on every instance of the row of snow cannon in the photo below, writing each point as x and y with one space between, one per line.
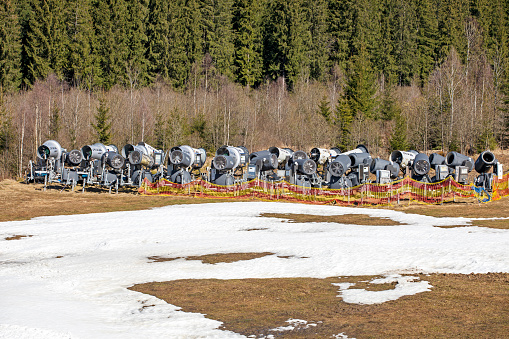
105 165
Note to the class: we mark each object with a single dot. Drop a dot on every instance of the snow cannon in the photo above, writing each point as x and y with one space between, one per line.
50 149
454 159
484 162
322 155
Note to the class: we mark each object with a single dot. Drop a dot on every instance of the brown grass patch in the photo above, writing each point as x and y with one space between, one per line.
21 201
18 236
458 306
496 223
354 219
499 208
216 258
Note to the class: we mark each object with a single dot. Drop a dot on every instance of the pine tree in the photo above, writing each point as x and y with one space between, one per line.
287 40
220 41
110 22
82 65
44 39
341 29
10 47
426 37
405 41
318 24
398 138
136 65
102 126
185 40
158 38
345 117
360 90
325 111
248 41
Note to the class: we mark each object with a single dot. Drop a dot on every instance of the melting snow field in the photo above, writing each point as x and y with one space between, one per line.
70 278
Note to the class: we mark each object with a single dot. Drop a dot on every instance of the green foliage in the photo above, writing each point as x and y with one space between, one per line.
5 125
325 111
485 140
102 126
345 116
287 40
10 46
398 139
360 90
82 62
247 41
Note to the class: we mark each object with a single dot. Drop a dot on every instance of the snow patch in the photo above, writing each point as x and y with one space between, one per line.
405 285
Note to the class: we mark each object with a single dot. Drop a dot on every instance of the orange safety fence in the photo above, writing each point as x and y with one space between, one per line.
405 190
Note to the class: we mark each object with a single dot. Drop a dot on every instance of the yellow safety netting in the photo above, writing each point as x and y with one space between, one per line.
405 190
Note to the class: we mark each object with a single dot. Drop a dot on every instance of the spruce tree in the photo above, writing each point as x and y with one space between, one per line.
110 22
325 111
317 16
287 40
10 46
345 117
82 65
220 40
158 39
102 126
427 39
136 65
248 41
360 91
398 140
341 29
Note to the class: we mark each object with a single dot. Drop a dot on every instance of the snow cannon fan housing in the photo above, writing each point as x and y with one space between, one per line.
454 159
266 160
305 166
358 149
322 155
185 156
403 159
50 149
74 157
340 165
229 158
421 165
113 160
484 162
96 151
384 165
156 154
436 159
137 155
282 154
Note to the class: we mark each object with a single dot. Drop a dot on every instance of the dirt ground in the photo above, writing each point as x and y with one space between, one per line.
458 306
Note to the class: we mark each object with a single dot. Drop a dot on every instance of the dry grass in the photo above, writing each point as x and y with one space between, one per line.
21 202
458 306
18 236
353 219
215 258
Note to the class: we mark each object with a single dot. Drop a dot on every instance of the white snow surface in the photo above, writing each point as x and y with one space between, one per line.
70 279
406 285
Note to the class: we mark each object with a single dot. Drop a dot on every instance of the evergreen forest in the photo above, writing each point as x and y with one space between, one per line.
391 74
